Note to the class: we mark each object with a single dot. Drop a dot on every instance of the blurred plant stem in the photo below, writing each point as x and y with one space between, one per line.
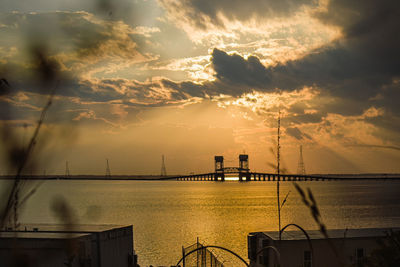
13 197
278 159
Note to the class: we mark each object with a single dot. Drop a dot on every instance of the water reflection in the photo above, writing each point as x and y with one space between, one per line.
167 215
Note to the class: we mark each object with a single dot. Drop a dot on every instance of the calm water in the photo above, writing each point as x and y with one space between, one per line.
167 215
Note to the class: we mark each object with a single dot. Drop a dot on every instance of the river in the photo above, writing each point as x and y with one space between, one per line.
167 215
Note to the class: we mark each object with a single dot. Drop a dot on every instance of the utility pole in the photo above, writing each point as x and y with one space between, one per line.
108 171
163 169
300 168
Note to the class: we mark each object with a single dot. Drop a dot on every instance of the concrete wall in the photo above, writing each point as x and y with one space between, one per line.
35 252
292 251
116 247
100 249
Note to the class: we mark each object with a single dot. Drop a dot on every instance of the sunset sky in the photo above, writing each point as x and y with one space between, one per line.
191 79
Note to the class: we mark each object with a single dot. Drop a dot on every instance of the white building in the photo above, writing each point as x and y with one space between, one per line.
345 247
57 246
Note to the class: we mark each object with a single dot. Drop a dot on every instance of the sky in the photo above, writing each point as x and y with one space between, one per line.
136 79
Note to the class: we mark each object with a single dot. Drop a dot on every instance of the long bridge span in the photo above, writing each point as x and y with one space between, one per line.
272 177
244 174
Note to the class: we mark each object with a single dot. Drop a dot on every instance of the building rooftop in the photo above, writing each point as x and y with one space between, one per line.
332 233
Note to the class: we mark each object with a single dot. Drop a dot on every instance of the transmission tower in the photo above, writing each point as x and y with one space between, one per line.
163 169
300 168
108 171
67 174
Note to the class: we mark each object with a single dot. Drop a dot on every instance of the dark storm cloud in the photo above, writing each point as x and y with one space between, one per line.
202 12
354 68
235 70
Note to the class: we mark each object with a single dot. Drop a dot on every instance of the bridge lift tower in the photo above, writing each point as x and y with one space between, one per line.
219 168
244 171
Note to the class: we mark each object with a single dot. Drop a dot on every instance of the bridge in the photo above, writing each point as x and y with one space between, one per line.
244 174
258 176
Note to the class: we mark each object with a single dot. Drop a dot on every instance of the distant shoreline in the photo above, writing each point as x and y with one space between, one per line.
341 177
90 177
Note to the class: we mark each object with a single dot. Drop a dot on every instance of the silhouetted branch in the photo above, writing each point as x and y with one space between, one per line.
309 200
13 197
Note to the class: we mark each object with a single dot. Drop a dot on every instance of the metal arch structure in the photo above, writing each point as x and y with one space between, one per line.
306 235
278 255
211 246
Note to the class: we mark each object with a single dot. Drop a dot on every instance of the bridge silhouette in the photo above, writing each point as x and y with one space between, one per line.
252 176
244 174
